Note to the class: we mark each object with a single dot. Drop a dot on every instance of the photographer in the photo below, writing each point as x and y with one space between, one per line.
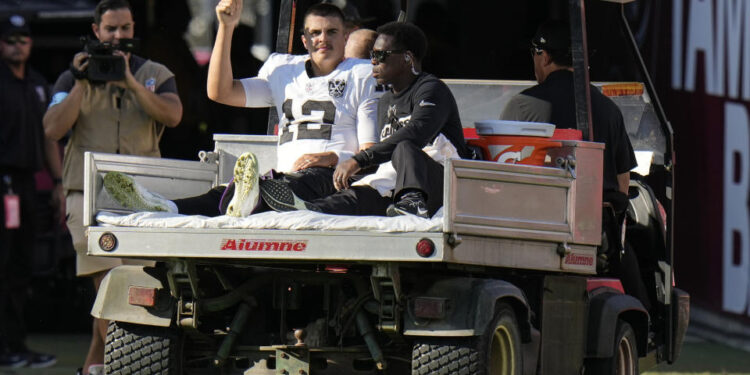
124 116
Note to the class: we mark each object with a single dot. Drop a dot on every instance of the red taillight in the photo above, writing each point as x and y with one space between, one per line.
142 296
425 248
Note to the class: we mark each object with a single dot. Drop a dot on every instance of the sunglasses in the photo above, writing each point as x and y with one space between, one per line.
11 40
380 56
536 50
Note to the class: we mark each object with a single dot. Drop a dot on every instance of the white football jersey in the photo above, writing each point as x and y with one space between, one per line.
335 113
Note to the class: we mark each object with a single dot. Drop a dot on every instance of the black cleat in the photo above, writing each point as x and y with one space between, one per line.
411 203
280 197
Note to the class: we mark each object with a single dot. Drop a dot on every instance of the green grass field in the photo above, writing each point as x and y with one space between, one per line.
705 358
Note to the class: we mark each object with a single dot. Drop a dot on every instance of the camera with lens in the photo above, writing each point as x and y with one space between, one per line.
103 65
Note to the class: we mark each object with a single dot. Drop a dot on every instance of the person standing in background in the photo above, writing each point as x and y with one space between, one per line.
126 116
23 151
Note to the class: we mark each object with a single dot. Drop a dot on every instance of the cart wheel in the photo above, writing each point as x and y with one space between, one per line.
625 360
446 356
501 344
138 349
496 352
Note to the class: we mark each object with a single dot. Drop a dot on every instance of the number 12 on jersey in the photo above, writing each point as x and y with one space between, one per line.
317 124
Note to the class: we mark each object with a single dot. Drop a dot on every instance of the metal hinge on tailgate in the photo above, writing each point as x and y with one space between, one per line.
386 287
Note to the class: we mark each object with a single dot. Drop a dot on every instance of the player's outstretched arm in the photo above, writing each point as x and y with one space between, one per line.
221 86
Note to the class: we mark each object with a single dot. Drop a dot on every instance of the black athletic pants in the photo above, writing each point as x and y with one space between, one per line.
414 170
16 251
308 184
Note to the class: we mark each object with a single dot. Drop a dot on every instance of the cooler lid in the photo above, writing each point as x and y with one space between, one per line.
507 127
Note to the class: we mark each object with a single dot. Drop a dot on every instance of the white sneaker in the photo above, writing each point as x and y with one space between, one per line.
245 186
130 194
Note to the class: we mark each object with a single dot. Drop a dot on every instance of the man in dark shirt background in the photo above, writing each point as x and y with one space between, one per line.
552 101
23 151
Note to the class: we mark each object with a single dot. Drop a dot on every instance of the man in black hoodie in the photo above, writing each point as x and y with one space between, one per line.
420 128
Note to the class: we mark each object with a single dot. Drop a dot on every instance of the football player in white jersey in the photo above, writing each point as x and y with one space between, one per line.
327 107
327 104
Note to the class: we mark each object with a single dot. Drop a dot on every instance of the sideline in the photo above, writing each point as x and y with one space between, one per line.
717 328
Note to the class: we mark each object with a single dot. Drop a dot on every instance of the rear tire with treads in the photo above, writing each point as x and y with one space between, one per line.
138 349
445 356
496 352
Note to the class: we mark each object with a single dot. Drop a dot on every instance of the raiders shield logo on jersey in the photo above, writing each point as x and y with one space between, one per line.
336 87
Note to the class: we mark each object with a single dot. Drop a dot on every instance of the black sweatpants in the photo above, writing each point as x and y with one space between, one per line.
16 251
414 170
309 184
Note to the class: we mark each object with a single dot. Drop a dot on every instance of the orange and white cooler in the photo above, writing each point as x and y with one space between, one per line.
518 142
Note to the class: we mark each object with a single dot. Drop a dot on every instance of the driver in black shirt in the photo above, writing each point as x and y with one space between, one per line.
552 101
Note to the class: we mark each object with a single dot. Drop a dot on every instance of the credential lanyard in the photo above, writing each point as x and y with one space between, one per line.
12 206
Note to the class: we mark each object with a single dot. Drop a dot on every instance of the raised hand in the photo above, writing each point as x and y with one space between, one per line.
228 12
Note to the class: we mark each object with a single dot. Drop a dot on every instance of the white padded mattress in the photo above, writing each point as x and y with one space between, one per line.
293 220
